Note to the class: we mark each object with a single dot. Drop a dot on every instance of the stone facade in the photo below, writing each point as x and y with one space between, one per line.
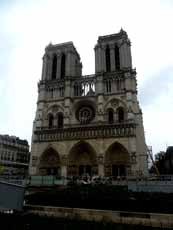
14 156
89 124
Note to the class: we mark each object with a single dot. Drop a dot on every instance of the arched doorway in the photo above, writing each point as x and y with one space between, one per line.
50 163
116 161
82 160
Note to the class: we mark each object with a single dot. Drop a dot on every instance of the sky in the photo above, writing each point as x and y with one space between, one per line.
27 26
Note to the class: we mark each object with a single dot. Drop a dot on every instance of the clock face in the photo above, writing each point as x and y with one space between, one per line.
85 114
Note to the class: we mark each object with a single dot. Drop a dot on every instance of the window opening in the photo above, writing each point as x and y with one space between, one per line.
108 62
117 58
108 86
120 115
63 66
50 121
60 120
110 116
54 67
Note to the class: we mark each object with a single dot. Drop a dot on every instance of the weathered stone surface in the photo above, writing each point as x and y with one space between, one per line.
81 117
132 218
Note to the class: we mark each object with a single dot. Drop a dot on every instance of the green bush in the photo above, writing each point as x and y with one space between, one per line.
103 197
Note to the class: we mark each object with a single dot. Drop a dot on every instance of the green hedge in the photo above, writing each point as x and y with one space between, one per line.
103 197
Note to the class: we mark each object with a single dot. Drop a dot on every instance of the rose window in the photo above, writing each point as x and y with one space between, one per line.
85 114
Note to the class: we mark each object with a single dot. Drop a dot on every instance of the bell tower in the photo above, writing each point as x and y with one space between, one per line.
61 61
112 53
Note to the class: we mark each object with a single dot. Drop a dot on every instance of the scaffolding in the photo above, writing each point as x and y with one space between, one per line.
150 156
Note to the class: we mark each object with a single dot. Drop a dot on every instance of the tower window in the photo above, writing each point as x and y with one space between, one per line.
51 93
110 116
108 86
118 84
50 121
108 61
76 90
60 120
61 91
79 89
63 66
120 114
117 58
54 67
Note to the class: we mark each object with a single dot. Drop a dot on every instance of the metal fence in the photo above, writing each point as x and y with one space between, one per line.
11 196
54 180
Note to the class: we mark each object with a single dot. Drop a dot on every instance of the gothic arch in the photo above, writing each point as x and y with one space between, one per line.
49 162
84 102
82 159
55 108
117 160
115 103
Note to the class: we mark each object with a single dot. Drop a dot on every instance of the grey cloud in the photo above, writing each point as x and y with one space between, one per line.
156 86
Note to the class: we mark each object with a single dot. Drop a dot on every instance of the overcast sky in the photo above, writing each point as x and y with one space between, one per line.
27 26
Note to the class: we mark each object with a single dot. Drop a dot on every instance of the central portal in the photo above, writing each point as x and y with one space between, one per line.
84 170
82 160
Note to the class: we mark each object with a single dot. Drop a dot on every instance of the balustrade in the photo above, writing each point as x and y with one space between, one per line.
86 132
84 86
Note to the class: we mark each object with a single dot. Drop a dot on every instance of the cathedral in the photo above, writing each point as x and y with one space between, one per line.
89 124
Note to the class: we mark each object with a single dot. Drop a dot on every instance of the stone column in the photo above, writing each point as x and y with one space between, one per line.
67 88
33 165
68 64
100 113
44 67
100 165
72 67
64 170
103 59
101 170
58 70
49 68
129 55
99 59
96 59
122 56
126 55
67 112
64 166
99 85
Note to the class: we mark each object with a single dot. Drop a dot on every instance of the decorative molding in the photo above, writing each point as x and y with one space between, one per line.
114 103
86 132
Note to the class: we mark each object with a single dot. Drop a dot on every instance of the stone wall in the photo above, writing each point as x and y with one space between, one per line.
132 218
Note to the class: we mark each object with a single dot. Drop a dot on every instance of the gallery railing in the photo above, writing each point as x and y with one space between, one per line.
85 132
132 181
